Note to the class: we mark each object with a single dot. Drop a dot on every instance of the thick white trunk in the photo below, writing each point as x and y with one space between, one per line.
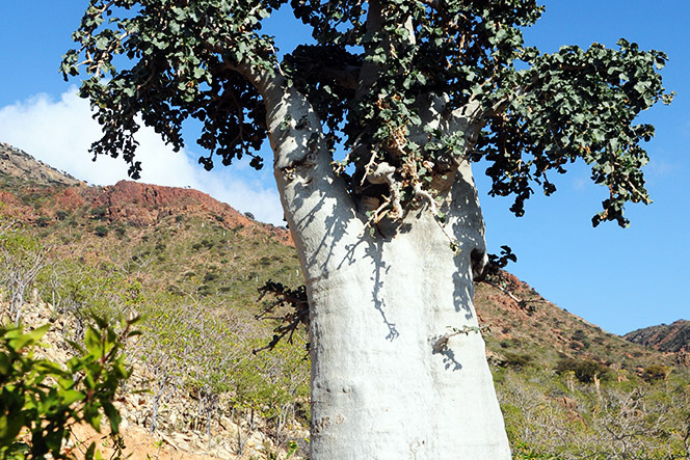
392 379
391 376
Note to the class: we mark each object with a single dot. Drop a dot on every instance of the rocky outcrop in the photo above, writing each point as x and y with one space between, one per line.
19 164
145 204
33 191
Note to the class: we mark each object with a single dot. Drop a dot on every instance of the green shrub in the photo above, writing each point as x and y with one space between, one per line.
580 336
101 231
656 372
99 213
40 400
516 360
120 231
43 221
585 370
205 290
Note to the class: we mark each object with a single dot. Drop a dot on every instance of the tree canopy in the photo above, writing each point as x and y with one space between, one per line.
372 73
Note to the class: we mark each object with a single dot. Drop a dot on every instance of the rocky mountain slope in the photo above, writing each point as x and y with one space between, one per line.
524 325
37 193
673 337
18 165
193 266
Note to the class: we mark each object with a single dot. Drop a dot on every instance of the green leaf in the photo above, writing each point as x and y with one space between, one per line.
5 364
90 451
93 418
113 416
92 341
579 118
71 396
10 427
19 340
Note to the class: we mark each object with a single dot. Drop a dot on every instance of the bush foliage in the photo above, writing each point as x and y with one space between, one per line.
40 400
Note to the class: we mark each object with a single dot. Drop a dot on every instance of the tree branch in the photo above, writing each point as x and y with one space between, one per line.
368 72
303 169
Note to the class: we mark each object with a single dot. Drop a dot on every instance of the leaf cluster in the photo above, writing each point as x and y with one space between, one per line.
373 73
577 104
40 400
498 263
183 55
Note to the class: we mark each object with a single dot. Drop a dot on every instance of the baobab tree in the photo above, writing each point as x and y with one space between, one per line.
374 124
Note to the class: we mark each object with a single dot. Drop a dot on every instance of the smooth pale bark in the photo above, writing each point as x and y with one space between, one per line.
392 378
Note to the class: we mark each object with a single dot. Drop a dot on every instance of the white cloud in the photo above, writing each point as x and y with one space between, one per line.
59 133
580 183
660 167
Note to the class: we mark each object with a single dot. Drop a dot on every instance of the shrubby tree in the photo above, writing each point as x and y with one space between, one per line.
210 362
161 349
22 258
390 233
82 291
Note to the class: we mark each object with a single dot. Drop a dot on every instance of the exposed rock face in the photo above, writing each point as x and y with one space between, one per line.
19 164
145 204
670 338
127 201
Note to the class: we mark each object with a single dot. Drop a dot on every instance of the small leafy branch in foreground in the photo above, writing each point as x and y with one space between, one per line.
40 401
498 263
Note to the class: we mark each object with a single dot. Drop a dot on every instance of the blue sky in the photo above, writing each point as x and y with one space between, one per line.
619 279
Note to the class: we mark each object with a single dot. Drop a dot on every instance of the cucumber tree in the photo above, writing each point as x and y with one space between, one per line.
374 123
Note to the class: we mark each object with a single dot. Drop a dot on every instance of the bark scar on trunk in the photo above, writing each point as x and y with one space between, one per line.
441 345
290 172
318 425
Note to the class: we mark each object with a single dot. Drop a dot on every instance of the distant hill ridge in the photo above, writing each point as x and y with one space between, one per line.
673 337
127 201
19 164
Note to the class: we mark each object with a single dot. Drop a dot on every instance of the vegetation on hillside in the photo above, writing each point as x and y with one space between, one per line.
568 389
194 281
